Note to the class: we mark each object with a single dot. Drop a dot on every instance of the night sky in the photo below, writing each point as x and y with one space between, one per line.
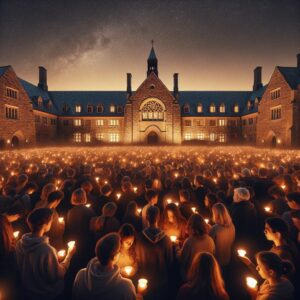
91 45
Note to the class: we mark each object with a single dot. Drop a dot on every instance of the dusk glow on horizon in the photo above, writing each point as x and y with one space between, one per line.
213 45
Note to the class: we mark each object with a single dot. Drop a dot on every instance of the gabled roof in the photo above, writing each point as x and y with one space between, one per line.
291 75
3 69
253 95
84 98
152 55
206 98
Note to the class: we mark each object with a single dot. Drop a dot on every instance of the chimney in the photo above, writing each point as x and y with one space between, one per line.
257 79
175 84
129 91
298 61
43 79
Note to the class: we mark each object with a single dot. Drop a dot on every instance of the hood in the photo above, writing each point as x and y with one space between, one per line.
98 282
28 243
282 290
154 235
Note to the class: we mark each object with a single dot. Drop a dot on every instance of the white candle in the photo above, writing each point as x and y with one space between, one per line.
194 209
135 189
16 234
173 238
206 221
61 220
142 284
267 208
242 252
169 201
118 196
251 282
139 210
128 270
177 203
71 244
61 253
88 205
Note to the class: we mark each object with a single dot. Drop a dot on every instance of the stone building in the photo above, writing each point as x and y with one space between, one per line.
152 114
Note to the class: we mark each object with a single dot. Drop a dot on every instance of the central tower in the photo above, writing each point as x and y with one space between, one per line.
152 62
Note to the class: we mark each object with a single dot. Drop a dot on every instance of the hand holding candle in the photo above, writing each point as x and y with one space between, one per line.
16 234
251 282
142 285
128 270
242 252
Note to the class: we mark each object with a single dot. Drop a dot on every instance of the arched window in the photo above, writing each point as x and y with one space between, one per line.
90 108
152 111
186 108
212 108
78 108
236 108
40 101
222 108
199 108
249 104
100 108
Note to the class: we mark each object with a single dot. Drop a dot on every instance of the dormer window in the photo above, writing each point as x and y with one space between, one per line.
212 108
78 108
236 108
256 102
119 109
249 104
112 109
40 102
100 109
90 108
186 108
199 108
50 104
222 108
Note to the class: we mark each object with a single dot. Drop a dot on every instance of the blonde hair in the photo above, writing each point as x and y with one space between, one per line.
221 215
78 197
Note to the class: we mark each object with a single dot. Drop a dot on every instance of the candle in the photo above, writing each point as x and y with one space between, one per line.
61 220
206 221
215 180
105 182
128 270
194 209
16 234
267 208
88 205
142 284
176 175
61 253
173 238
135 189
169 201
71 244
177 203
251 282
242 252
97 179
118 196
283 186
139 210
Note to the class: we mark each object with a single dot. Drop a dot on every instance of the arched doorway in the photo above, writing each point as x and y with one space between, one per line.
152 138
15 142
273 142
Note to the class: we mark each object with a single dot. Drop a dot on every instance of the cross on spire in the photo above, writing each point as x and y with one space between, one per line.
152 42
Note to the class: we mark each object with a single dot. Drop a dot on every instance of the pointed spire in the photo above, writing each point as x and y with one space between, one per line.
152 61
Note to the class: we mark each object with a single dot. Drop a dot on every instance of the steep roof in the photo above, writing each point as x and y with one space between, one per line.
291 75
206 98
84 98
152 55
253 95
3 69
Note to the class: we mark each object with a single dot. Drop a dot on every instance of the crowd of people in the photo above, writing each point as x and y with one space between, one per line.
145 223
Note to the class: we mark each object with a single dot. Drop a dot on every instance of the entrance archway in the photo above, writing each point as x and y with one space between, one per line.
273 142
152 138
15 142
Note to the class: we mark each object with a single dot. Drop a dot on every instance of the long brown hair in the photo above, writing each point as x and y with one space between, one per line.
205 279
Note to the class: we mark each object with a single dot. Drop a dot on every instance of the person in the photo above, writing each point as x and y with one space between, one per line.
204 280
97 204
46 190
132 216
197 241
42 275
152 199
173 223
278 204
127 252
185 203
223 233
154 256
209 200
101 279
126 196
273 270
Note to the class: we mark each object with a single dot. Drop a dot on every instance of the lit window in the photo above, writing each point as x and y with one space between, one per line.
221 122
99 122
40 102
236 108
11 112
200 136
222 137
200 122
222 108
90 108
100 109
276 113
77 137
87 137
212 108
275 93
78 108
186 108
152 111
188 123
212 136
112 108
77 122
12 93
187 136
199 108
99 136
114 137
249 105
114 123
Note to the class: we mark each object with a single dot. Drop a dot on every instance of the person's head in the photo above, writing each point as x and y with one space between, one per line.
78 197
148 184
87 186
198 181
109 209
70 172
6 237
276 192
210 199
221 215
40 219
106 189
171 213
126 186
46 190
205 277
246 172
54 198
184 196
131 208
152 215
127 235
270 265
157 185
22 180
293 200
108 249
241 194
196 225
276 229
31 187
296 218
152 197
